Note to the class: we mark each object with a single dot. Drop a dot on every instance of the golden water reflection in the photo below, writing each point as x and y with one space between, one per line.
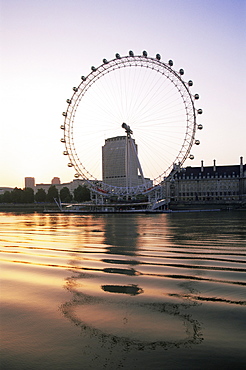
126 283
125 310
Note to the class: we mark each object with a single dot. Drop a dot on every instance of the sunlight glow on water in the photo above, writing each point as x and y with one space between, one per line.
103 290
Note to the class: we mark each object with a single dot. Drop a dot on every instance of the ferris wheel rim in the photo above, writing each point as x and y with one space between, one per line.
96 73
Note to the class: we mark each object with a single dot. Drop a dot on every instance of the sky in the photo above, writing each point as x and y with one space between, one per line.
45 47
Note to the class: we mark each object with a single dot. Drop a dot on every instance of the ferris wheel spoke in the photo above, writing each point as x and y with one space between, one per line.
146 94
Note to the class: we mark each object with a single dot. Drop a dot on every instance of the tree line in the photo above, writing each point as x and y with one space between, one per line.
26 195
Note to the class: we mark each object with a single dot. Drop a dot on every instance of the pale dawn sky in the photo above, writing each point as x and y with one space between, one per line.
46 46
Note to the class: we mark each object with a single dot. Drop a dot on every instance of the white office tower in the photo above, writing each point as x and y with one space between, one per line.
120 162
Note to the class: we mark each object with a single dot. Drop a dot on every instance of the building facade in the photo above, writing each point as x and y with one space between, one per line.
117 168
30 182
70 185
5 188
56 181
203 185
210 184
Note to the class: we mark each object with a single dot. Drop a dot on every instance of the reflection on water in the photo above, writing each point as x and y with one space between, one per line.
131 323
140 290
123 289
145 323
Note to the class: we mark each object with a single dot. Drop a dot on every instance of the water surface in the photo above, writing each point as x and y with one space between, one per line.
165 291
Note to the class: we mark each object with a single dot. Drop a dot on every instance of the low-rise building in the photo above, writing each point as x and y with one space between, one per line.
191 185
5 188
70 185
207 184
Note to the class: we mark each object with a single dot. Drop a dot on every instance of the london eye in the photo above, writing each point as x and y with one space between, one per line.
138 99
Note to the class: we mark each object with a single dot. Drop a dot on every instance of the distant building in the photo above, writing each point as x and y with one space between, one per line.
208 184
120 165
70 185
5 188
56 181
30 182
203 185
114 167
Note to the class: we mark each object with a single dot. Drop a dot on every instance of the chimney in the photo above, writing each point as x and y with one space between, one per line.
241 166
201 166
214 165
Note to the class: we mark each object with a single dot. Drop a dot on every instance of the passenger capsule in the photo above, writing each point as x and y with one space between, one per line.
190 83
68 101
105 61
158 57
199 111
65 152
196 96
181 72
63 140
200 127
76 175
117 56
83 78
170 62
64 114
70 165
93 69
131 53
191 156
197 142
62 127
75 89
145 54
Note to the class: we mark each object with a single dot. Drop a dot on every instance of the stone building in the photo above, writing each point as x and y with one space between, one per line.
207 184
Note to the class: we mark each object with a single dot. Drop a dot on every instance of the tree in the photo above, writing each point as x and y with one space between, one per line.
81 194
7 197
52 194
40 196
16 195
28 195
65 195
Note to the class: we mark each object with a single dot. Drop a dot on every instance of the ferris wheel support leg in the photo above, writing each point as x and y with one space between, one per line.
128 164
138 162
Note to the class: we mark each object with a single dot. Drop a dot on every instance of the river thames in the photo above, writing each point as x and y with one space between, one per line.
123 291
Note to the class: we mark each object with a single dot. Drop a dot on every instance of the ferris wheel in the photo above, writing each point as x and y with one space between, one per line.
142 101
